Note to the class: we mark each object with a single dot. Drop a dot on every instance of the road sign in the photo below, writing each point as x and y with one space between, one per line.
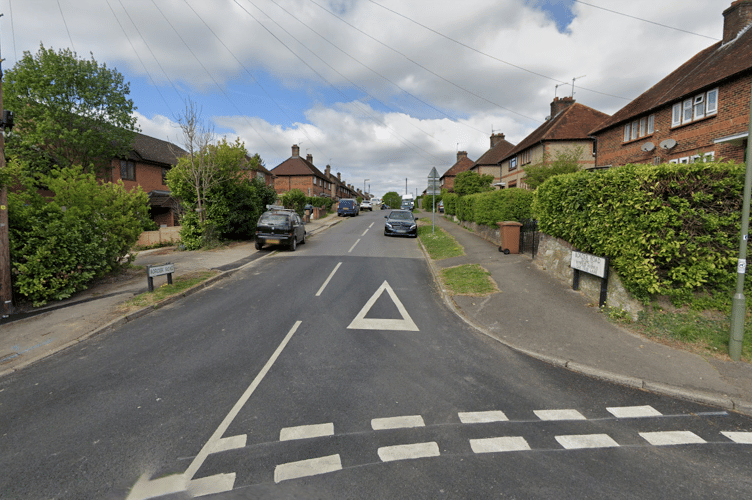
434 174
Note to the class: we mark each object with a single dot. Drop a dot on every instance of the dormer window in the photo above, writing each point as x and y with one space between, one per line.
695 108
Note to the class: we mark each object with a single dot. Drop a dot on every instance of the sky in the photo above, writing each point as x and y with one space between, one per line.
381 90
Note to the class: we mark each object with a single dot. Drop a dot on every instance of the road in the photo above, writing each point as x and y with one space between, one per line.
336 371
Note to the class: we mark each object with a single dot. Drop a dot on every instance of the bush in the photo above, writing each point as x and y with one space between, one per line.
294 199
237 206
450 203
491 207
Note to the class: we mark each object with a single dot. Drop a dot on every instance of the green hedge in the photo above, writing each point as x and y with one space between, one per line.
669 229
490 207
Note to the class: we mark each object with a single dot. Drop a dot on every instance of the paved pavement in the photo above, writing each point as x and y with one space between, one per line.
534 313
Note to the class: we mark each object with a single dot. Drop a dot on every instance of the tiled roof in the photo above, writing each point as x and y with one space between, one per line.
705 70
154 150
295 165
575 122
462 165
494 155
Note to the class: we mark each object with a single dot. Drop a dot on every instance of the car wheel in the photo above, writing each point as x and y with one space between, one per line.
293 244
386 234
302 242
259 245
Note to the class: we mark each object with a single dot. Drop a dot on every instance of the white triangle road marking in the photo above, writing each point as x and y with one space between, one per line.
405 324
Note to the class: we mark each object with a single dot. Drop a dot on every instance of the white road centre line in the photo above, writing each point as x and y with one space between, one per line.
372 223
321 290
577 442
306 432
409 451
481 417
499 444
406 422
364 232
351 248
305 468
634 411
559 415
669 438
739 437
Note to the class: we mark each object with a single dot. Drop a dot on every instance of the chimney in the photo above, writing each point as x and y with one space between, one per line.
309 158
295 151
461 155
496 138
339 177
559 104
328 171
736 18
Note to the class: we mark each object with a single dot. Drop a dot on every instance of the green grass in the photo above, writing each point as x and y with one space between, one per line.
468 279
179 285
439 245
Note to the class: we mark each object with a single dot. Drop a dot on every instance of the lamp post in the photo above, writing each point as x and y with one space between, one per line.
364 187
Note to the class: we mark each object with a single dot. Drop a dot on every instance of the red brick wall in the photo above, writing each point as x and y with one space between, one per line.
149 177
283 184
693 138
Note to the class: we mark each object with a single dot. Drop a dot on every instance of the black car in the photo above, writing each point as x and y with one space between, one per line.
400 222
279 226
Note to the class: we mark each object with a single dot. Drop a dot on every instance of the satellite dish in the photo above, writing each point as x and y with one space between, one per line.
648 146
668 143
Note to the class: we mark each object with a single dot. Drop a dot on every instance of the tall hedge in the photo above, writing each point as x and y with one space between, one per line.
491 207
668 229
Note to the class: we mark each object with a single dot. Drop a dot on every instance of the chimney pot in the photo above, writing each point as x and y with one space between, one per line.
559 104
295 151
309 158
461 155
737 17
496 138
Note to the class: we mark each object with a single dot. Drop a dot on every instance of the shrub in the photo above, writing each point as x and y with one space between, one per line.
294 199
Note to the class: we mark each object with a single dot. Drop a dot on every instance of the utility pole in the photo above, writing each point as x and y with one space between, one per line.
6 295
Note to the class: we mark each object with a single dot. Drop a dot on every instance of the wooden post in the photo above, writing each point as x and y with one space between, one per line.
6 292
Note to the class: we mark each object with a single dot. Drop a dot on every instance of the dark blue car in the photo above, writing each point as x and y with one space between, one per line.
347 206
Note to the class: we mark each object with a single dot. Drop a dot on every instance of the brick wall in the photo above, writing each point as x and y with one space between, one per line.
283 184
693 138
149 177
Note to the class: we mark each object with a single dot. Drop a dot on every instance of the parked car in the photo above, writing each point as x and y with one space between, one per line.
366 205
440 207
347 206
384 206
407 205
400 222
280 226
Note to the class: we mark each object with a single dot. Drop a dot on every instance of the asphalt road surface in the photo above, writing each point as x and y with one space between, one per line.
336 371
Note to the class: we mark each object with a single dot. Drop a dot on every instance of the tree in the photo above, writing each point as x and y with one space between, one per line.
294 199
565 162
68 111
392 199
471 182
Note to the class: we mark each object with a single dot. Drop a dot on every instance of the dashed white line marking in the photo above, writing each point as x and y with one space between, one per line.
634 411
739 437
372 223
669 438
405 422
351 248
559 415
305 468
306 432
364 232
576 442
480 417
499 444
321 290
409 451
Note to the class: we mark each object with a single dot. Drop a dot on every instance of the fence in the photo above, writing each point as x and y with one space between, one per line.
529 237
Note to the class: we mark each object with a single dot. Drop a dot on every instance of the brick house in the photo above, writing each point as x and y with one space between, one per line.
340 189
298 173
463 164
700 111
566 129
489 162
147 165
259 172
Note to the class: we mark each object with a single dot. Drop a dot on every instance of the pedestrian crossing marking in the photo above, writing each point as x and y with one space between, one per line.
362 323
739 437
408 451
482 417
634 411
670 438
306 432
578 442
499 444
559 415
306 468
405 422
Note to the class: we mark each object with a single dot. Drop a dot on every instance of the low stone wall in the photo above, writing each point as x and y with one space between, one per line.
488 233
149 238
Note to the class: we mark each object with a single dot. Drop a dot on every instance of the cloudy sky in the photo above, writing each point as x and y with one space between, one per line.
382 90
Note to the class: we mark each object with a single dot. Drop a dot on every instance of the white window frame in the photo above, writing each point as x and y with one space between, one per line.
651 124
695 108
676 114
687 110
627 132
643 126
699 106
712 96
513 163
634 130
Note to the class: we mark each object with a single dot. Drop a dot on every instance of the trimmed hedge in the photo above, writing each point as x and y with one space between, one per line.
490 207
669 229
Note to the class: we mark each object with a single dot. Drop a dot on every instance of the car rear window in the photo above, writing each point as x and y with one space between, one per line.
273 219
346 204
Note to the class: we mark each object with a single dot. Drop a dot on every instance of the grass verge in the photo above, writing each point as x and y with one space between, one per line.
468 279
439 245
179 285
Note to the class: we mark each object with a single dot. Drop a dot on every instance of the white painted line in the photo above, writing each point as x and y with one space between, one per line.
559 415
372 223
406 422
351 248
634 411
364 232
211 485
230 443
305 468
409 451
576 442
306 432
321 290
739 437
669 438
480 417
499 444
152 488
405 324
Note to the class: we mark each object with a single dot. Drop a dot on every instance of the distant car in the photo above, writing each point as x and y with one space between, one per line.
400 222
440 207
407 205
384 206
366 205
279 226
347 206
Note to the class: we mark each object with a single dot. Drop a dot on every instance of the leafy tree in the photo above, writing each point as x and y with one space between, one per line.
564 162
471 182
392 199
68 111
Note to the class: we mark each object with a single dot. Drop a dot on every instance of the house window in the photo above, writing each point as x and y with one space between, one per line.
164 176
627 132
526 157
512 163
698 107
643 125
651 124
634 130
639 128
127 170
